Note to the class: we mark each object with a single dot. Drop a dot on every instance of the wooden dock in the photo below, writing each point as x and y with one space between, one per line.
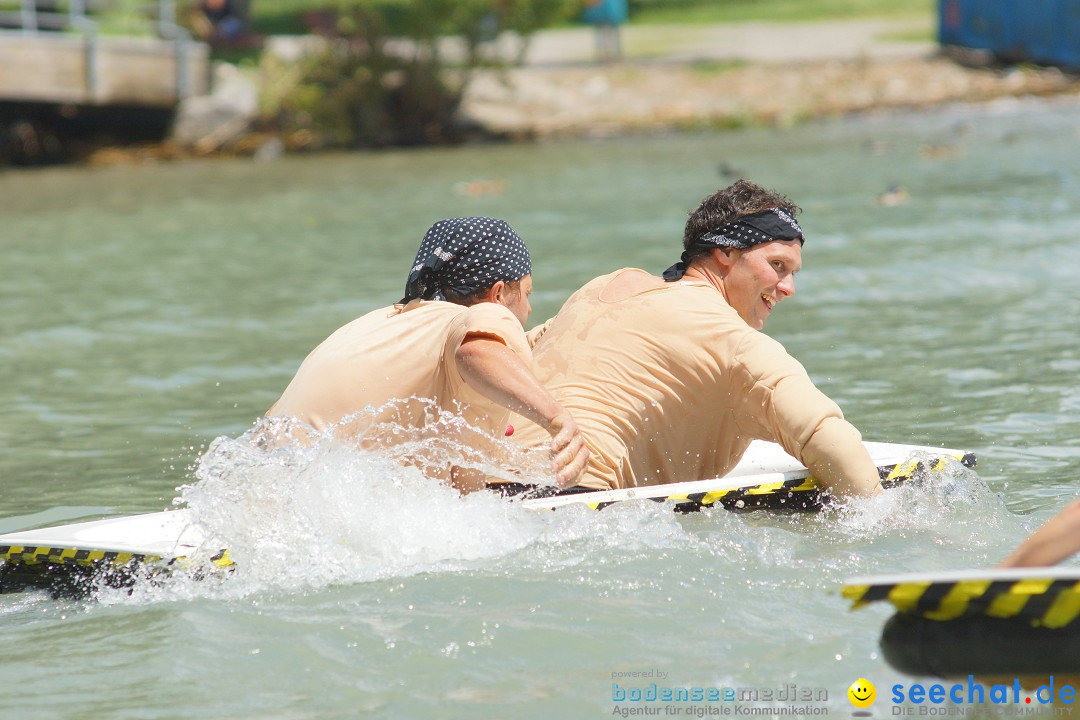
91 69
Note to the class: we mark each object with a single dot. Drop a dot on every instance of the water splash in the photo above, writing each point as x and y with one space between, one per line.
944 519
307 515
325 510
320 510
949 496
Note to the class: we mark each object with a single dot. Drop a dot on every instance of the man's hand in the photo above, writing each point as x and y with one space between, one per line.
569 455
494 370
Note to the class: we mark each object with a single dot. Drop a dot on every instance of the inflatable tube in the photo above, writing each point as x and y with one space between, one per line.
980 646
1011 623
1043 597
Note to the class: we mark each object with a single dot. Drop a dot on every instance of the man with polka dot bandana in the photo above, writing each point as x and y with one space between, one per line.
455 342
670 378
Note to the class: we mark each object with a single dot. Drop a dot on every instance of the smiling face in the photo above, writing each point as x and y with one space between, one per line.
862 693
757 278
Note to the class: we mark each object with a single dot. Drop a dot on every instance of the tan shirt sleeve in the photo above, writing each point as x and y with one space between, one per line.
782 404
488 320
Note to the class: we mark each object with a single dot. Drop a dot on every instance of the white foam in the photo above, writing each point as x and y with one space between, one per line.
307 516
324 511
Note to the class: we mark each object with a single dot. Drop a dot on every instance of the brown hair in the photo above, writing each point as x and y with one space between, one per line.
731 203
477 297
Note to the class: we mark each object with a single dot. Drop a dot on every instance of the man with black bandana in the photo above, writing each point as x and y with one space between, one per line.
670 379
455 342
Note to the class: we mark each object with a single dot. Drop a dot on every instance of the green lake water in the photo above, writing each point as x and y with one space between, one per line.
146 311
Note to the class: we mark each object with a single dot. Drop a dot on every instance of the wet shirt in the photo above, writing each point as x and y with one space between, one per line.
671 385
401 352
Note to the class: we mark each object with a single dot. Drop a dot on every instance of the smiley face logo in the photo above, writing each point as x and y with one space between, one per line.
862 693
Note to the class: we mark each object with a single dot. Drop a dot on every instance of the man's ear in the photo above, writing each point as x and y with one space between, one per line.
496 292
724 257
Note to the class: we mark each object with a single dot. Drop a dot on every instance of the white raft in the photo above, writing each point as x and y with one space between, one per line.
768 478
61 558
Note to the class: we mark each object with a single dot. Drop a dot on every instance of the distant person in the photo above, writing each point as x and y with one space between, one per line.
456 339
1058 539
670 378
607 16
218 20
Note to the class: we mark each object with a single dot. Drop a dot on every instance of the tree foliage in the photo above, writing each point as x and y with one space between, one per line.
393 72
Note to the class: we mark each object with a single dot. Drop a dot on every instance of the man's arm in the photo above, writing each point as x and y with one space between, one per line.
805 421
836 456
495 371
1053 542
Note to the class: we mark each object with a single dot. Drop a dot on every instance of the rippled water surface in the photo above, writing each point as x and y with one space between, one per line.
148 310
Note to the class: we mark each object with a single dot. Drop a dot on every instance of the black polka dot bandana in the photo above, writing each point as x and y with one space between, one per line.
466 255
746 232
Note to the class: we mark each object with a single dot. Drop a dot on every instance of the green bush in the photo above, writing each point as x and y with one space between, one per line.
382 79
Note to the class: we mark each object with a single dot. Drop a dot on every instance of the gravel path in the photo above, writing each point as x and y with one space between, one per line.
756 42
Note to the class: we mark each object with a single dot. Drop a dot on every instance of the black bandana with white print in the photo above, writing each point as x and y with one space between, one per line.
746 232
466 255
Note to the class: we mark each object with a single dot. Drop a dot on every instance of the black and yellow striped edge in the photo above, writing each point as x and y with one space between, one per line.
799 494
41 555
1044 602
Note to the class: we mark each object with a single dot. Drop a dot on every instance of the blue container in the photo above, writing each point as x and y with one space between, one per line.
976 24
1041 31
1067 34
605 12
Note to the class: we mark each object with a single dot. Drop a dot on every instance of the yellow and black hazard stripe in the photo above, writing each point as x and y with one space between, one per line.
69 572
800 494
222 560
70 556
1043 602
72 572
31 555
892 475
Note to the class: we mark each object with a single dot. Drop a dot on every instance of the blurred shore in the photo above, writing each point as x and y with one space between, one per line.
693 77
738 75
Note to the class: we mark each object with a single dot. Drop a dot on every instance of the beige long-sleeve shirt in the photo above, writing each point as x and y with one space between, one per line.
396 354
670 385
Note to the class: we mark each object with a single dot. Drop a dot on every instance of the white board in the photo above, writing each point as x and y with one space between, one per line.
766 474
